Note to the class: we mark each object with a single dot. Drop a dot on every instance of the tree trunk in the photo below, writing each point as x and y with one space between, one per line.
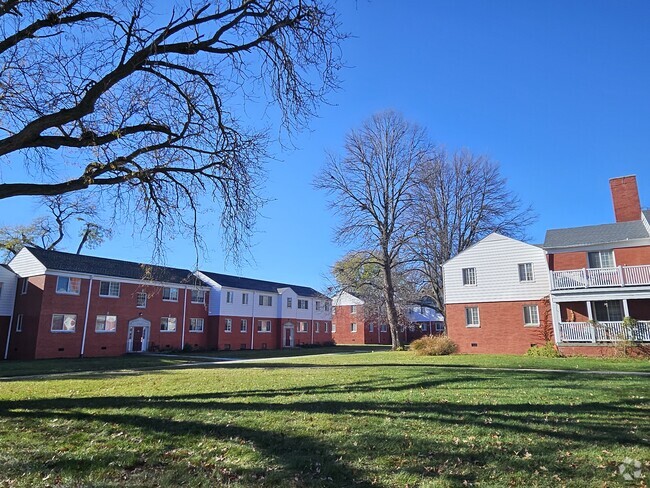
391 309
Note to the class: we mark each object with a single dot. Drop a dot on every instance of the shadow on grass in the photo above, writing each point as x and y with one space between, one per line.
310 459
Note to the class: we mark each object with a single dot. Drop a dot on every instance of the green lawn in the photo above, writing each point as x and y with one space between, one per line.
374 419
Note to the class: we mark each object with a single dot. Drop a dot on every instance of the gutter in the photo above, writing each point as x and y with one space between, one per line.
184 318
83 337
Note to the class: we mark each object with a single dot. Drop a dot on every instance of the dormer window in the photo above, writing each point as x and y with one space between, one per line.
601 259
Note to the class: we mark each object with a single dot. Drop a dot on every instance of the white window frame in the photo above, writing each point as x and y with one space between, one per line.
303 304
25 286
529 321
243 325
440 326
333 327
289 302
166 321
470 316
197 324
327 306
19 322
469 276
317 305
227 325
317 327
264 327
303 327
104 322
172 294
68 289
326 327
138 296
353 309
244 298
609 253
353 327
230 296
266 301
64 317
524 275
197 296
111 289
384 328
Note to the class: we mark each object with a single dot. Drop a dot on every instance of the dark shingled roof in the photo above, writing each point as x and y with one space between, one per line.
79 263
595 234
259 285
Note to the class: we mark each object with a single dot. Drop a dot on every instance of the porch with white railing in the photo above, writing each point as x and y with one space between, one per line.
604 332
601 277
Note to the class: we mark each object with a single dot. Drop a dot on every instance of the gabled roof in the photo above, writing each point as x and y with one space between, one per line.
230 281
80 263
595 234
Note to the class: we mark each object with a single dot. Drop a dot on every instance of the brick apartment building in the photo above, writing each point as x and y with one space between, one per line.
503 295
61 305
352 323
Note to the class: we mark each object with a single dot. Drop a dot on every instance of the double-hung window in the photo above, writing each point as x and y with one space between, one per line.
531 315
170 294
264 326
469 276
141 299
266 300
472 317
227 325
198 296
109 289
168 324
106 323
353 327
230 296
302 326
19 322
317 305
303 304
68 286
243 326
63 322
526 272
289 302
244 298
196 325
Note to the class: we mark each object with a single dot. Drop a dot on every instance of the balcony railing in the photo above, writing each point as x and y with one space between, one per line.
600 277
604 332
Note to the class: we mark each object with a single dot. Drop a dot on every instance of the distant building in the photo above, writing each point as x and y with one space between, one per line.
352 323
61 305
503 295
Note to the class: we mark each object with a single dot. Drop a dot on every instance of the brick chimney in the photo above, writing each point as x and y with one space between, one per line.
625 197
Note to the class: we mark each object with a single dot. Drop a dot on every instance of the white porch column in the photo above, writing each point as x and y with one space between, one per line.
556 317
591 325
626 310
589 311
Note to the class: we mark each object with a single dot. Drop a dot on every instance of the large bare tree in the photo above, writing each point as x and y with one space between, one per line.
371 189
145 100
458 200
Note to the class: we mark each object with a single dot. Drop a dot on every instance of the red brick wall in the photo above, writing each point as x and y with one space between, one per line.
50 344
22 345
235 339
632 256
625 197
568 260
574 312
502 328
343 317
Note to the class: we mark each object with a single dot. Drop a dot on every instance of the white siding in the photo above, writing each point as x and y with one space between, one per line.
214 301
24 264
8 292
496 259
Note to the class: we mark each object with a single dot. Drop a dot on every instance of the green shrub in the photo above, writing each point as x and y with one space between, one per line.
433 346
548 350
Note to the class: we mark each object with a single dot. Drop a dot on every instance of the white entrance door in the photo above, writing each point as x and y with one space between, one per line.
287 337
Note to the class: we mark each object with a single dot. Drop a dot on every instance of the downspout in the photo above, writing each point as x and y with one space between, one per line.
312 322
184 314
83 338
253 323
11 322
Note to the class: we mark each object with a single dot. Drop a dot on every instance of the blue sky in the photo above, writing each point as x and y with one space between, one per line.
557 92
